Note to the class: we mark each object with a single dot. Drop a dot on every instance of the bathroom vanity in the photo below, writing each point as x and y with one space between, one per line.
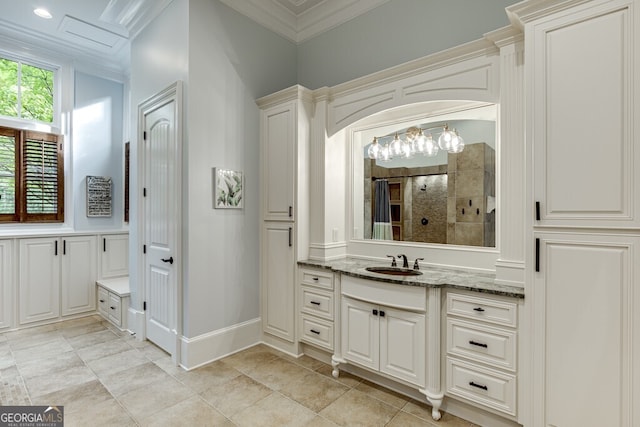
443 332
550 220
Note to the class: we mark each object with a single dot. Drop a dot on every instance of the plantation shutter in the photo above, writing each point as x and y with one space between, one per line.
8 159
42 178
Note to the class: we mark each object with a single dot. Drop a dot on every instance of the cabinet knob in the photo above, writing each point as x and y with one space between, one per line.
375 312
101 300
112 308
381 313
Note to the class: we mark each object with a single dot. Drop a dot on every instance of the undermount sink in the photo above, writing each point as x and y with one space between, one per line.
394 271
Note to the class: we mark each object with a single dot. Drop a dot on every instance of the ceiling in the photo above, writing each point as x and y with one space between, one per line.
99 31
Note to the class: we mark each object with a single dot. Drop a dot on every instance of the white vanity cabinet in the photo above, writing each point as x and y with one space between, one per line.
114 255
383 328
57 277
6 284
316 305
284 165
481 350
583 240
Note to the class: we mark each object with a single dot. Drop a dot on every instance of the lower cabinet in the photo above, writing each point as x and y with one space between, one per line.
481 352
57 277
78 274
384 339
278 280
113 300
114 255
6 284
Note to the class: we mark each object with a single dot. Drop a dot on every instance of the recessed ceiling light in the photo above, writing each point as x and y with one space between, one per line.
42 13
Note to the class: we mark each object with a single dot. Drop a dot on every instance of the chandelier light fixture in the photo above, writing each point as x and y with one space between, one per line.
414 143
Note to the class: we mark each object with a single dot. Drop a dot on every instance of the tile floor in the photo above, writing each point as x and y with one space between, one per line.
104 377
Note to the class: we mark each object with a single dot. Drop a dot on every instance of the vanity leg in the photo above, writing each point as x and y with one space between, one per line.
436 403
335 364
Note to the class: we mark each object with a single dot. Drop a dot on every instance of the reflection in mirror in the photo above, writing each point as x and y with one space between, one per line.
447 198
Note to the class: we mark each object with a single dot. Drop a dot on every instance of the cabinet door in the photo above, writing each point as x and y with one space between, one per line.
6 283
39 279
584 173
585 297
402 345
78 274
360 333
278 279
278 130
115 256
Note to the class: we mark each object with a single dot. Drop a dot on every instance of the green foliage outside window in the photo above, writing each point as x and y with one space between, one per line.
26 91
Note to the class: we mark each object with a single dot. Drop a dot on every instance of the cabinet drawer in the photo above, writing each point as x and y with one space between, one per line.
489 310
317 302
103 301
316 331
319 278
481 343
115 309
482 386
413 298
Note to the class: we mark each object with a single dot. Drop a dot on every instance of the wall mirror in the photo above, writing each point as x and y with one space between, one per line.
448 197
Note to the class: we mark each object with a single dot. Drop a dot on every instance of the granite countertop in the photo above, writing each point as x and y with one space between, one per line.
430 277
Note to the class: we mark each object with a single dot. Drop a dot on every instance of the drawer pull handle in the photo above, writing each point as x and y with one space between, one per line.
479 309
480 386
101 300
113 308
315 279
479 344
315 302
313 331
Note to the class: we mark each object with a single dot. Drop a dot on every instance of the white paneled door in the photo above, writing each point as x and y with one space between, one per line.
161 218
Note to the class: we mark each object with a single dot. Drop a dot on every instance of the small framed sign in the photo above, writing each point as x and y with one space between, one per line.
99 196
228 189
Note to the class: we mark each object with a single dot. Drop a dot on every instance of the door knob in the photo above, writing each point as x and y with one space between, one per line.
169 260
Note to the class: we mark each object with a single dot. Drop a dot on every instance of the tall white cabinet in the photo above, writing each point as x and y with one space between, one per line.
583 91
284 162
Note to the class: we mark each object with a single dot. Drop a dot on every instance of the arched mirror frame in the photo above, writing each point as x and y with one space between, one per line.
469 75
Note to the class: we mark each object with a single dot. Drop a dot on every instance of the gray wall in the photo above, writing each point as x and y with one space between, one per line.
98 147
394 33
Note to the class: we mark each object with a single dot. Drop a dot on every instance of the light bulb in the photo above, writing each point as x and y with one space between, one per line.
420 143
395 148
374 149
445 139
431 148
385 153
457 143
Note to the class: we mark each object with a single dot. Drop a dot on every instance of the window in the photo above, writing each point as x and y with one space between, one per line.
31 176
26 91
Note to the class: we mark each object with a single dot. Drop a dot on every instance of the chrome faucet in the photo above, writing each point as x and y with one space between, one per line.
405 263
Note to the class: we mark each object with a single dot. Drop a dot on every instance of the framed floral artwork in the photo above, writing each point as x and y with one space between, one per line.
228 189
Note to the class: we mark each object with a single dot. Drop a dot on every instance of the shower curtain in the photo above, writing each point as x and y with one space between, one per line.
382 215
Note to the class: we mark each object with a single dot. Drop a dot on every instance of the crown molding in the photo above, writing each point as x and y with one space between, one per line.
301 27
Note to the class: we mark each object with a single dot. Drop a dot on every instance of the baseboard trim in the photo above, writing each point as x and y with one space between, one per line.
135 323
209 347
